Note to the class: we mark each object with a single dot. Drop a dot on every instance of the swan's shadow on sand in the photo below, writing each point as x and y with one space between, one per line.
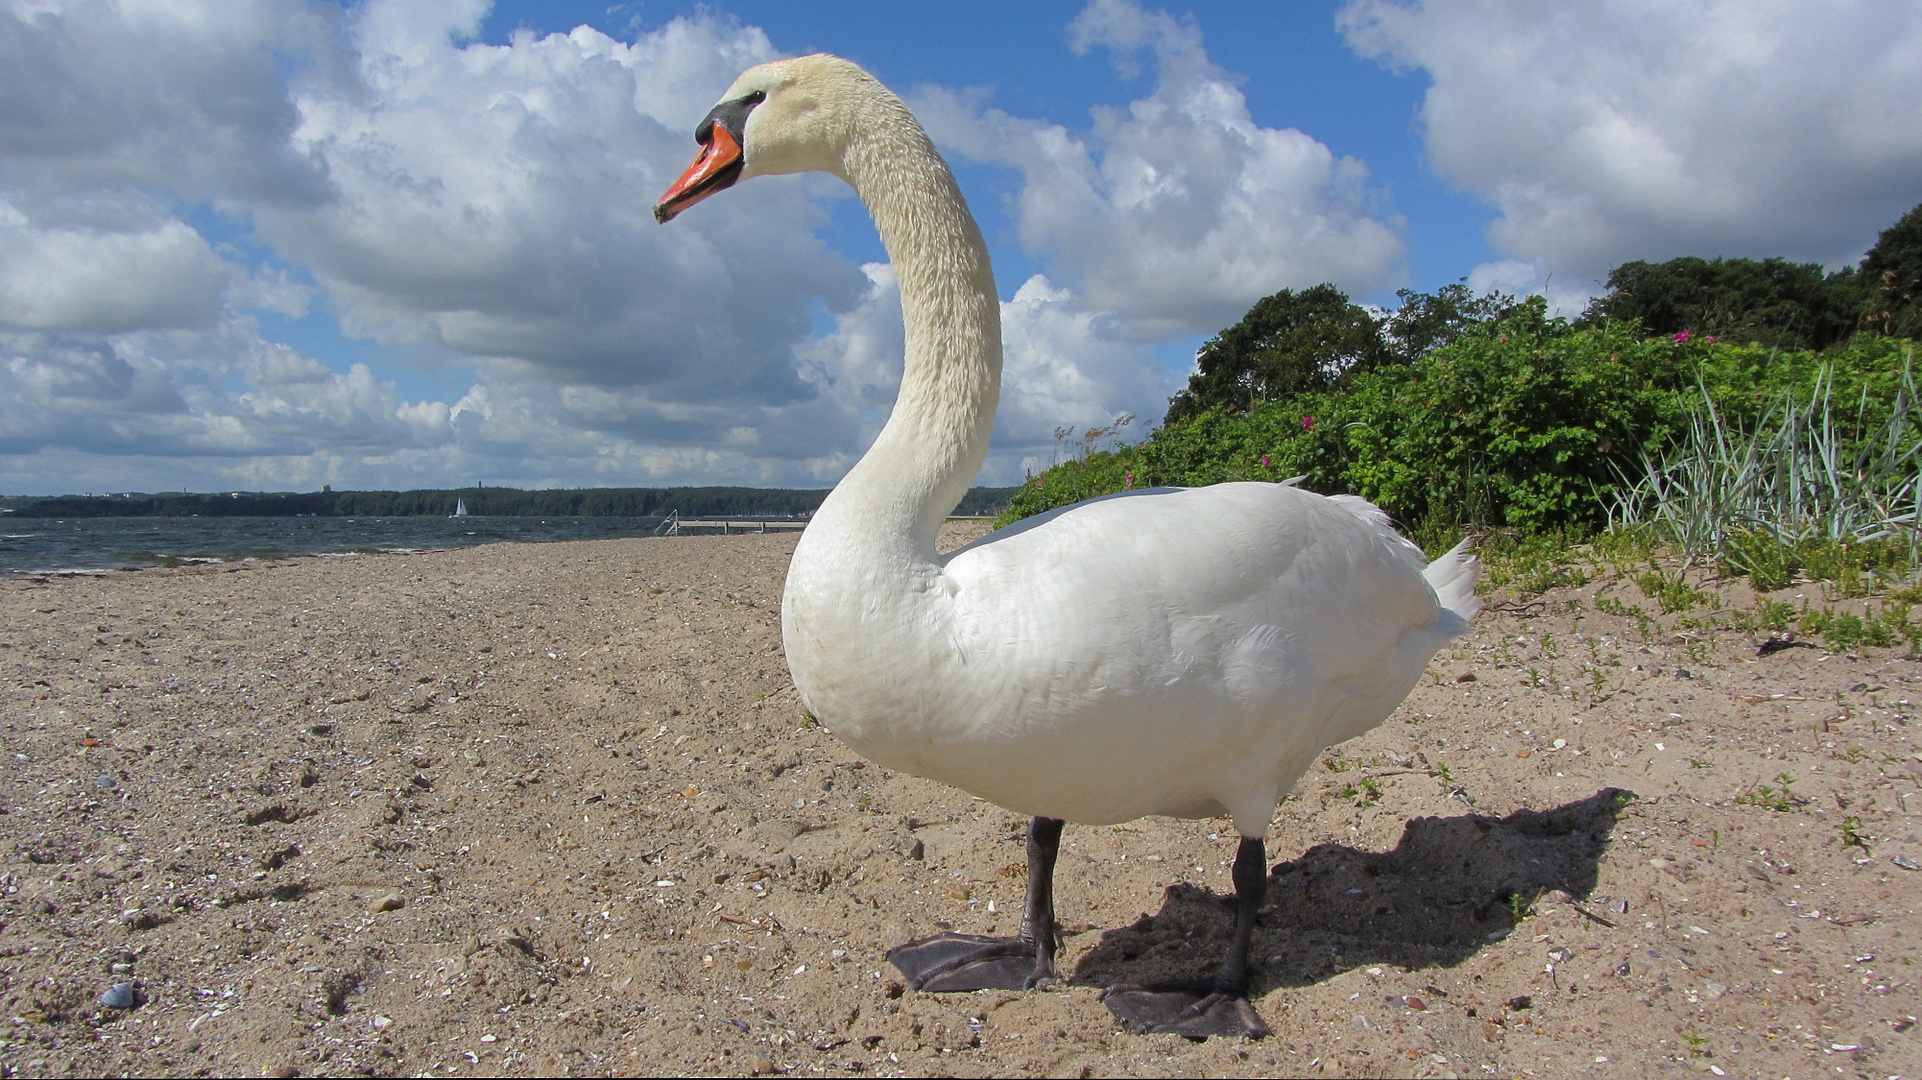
1444 893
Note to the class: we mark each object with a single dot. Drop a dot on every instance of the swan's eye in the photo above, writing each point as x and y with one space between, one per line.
755 98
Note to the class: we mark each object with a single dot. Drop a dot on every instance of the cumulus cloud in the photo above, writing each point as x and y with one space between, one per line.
454 201
183 95
495 201
1175 213
106 281
1063 370
1060 369
169 395
1621 130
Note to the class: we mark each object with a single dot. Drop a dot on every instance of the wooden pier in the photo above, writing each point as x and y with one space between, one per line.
677 525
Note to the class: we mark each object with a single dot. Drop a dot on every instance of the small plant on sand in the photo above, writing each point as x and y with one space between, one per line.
1597 682
1779 799
1672 594
1844 630
1851 832
1442 773
1532 564
1366 792
1774 614
1609 605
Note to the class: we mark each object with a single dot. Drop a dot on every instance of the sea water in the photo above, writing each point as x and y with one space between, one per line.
85 545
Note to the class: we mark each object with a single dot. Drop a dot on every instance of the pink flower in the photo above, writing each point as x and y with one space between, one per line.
1264 461
1501 340
1307 423
1710 338
1681 336
1130 486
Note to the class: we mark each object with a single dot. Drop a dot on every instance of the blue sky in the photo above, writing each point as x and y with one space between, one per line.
271 244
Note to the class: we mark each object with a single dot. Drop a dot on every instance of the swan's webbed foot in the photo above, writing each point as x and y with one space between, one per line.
1193 1011
951 963
1211 1007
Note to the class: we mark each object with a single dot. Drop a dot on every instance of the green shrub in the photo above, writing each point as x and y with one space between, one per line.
1522 422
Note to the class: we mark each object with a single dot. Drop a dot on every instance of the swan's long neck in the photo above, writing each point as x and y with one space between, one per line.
937 436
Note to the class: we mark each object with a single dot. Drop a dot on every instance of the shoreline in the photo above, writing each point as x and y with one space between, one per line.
197 534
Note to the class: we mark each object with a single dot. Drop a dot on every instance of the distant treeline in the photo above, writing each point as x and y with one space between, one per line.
489 501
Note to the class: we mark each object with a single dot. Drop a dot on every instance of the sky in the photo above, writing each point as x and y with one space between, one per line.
276 244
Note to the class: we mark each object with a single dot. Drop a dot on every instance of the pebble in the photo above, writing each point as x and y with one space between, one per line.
107 782
392 901
1361 1023
118 996
760 1065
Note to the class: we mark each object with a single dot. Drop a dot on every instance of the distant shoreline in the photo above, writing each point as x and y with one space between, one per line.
770 503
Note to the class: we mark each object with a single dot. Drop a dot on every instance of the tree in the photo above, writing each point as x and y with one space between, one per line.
1771 302
1427 321
1892 279
1288 344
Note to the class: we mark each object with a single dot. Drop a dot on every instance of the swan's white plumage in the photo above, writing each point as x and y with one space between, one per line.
1183 652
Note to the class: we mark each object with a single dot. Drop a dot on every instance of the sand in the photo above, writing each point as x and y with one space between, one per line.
555 809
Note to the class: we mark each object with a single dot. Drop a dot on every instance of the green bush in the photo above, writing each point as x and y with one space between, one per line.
1523 422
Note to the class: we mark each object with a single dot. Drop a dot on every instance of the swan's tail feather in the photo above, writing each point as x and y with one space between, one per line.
1453 578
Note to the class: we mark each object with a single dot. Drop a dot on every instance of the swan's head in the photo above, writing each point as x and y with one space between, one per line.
786 116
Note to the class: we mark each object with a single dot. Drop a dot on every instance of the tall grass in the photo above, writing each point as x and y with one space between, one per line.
1807 482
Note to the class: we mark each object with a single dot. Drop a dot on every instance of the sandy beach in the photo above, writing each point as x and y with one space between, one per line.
555 809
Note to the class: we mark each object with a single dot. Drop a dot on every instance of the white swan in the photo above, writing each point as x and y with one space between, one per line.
1168 651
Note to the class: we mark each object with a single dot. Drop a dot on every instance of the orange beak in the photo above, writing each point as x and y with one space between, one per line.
717 167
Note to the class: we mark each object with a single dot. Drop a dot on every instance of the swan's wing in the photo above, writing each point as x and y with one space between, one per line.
1264 588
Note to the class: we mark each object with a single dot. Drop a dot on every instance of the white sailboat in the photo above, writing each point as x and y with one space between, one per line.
460 508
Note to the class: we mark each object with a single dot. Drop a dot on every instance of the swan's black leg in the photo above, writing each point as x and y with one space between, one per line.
954 962
1217 1006
1037 909
1251 885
